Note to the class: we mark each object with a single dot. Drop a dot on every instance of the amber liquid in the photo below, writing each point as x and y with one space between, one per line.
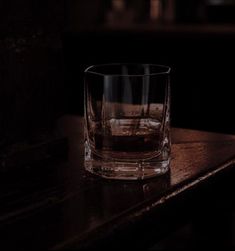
135 138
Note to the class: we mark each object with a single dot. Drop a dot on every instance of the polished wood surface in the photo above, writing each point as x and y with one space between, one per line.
57 205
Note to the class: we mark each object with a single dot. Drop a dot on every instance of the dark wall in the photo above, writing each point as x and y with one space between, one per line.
31 66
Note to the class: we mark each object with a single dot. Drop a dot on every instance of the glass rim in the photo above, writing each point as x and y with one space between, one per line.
165 70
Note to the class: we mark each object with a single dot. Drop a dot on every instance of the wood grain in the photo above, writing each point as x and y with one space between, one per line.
60 206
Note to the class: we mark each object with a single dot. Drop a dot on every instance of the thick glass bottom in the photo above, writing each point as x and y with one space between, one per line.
126 169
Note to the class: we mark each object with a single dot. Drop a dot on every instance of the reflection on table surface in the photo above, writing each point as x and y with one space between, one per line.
58 204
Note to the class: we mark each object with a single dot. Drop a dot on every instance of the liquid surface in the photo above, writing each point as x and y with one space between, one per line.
127 138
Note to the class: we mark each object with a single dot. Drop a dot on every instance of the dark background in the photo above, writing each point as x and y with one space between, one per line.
46 45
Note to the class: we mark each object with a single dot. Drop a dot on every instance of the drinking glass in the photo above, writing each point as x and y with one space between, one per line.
127 120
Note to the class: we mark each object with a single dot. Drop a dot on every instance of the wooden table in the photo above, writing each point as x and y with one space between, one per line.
57 205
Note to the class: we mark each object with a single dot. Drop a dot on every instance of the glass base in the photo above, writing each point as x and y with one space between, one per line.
126 170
